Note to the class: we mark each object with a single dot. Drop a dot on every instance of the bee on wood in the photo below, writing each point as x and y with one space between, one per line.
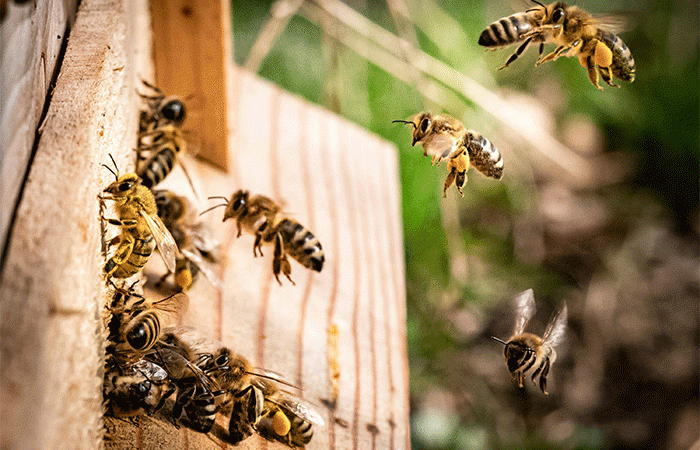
198 249
133 389
574 31
526 351
285 418
262 217
444 137
141 228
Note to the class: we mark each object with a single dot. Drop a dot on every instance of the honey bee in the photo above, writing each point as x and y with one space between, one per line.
198 249
261 216
444 137
134 389
196 391
575 33
245 408
160 110
138 321
140 225
284 417
525 351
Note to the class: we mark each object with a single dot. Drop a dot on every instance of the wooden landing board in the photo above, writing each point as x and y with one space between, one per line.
342 183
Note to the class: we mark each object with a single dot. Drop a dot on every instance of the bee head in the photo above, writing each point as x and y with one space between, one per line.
173 111
123 185
421 124
237 205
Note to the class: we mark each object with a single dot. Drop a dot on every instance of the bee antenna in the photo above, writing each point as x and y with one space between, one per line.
404 121
213 207
496 339
110 169
543 7
217 197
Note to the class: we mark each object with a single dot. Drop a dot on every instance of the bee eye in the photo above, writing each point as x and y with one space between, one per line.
125 186
238 204
424 124
221 360
174 111
557 15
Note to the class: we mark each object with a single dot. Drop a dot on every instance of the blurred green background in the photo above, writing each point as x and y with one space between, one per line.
619 243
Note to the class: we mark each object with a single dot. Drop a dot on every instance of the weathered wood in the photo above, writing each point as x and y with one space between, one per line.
51 288
191 48
31 36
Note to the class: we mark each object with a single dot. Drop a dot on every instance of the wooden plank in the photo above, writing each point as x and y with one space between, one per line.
31 36
51 287
191 47
342 183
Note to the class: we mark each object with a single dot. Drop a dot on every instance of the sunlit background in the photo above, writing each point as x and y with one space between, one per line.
598 207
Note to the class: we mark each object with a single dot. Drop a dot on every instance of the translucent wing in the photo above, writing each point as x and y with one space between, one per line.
442 145
554 333
612 23
173 307
302 409
164 240
150 370
195 257
524 310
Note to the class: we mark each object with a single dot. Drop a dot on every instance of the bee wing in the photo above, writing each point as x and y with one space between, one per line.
164 240
203 265
442 144
554 333
303 409
173 307
524 310
613 23
151 370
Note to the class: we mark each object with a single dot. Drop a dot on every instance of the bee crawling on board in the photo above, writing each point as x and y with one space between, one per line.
574 32
141 228
261 216
526 351
198 249
444 137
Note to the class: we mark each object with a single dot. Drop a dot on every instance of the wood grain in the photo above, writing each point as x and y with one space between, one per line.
50 341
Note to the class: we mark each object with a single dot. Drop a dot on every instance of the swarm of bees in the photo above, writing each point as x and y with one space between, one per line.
152 365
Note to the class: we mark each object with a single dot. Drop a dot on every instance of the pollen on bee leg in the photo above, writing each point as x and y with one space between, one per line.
603 55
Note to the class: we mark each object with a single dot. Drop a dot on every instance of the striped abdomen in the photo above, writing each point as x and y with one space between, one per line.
143 247
622 66
301 432
158 166
144 330
483 155
201 410
301 244
507 30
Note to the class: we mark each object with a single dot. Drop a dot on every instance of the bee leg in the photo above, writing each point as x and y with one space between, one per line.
591 70
161 403
606 76
518 52
543 377
448 181
280 263
554 55
123 251
161 280
461 181
257 246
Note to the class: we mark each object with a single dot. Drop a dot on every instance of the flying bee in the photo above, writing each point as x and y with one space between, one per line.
575 33
140 225
138 322
134 389
261 216
198 249
284 417
444 137
525 351
160 110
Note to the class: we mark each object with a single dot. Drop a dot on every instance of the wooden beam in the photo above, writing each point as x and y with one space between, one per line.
191 48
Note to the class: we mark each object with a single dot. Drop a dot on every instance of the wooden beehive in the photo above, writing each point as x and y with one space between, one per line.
343 327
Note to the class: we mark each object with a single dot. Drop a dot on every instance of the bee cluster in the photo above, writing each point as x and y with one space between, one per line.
151 366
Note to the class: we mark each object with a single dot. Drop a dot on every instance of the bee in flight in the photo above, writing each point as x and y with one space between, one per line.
526 351
262 217
574 31
444 137
140 225
160 110
198 249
